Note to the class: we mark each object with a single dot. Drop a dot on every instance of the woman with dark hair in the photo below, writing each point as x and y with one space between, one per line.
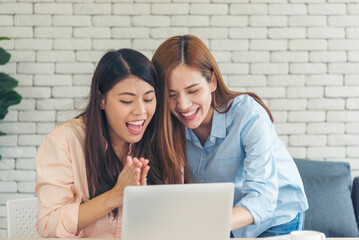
229 137
84 164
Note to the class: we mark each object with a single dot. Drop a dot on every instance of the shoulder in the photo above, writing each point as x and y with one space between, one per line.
73 129
245 106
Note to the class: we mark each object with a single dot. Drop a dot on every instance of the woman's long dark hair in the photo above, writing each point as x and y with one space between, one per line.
102 164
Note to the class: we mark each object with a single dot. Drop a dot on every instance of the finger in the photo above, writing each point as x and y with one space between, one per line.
144 175
129 161
137 162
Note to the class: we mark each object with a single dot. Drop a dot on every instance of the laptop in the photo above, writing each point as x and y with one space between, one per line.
178 212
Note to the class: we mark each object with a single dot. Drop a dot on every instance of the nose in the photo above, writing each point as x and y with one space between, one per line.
183 103
139 108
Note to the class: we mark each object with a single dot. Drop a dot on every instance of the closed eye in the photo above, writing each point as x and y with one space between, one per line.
148 100
194 91
125 102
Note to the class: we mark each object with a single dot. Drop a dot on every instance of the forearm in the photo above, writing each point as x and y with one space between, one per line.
97 208
240 217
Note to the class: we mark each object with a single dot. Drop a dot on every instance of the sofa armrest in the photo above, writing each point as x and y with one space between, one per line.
355 198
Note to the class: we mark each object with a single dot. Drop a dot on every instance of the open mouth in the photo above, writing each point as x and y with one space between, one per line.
190 114
135 127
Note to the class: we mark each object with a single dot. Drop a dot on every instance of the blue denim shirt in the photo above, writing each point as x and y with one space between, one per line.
243 147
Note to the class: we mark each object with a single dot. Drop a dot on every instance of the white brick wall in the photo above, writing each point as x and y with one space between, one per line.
301 56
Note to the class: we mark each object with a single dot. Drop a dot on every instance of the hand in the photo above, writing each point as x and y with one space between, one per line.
144 170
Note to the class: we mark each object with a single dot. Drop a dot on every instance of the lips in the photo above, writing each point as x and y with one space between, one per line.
135 127
190 114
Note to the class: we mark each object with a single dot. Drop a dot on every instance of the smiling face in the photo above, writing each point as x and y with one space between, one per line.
190 96
129 107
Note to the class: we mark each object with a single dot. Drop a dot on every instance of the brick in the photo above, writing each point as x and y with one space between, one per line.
290 56
287 33
319 32
74 21
33 44
132 32
305 92
270 45
221 56
352 32
154 21
268 21
17 175
146 44
34 92
14 152
32 20
16 32
53 8
306 116
234 68
11 116
111 21
54 104
25 104
6 20
63 116
8 187
30 140
341 116
341 92
325 128
36 68
343 140
208 9
280 116
92 8
37 116
351 80
307 140
25 164
164 32
286 80
351 128
22 56
290 128
228 21
287 104
248 9
26 187
131 9
7 164
53 32
308 44
326 104
287 9
268 92
343 21
9 68
252 56
5 197
327 9
307 21
246 80
347 44
70 92
209 33
353 8
24 79
89 56
308 68
44 128
15 8
269 1
269 68
297 152
105 45
328 56
326 152
8 140
72 44
55 56
69 68
229 44
91 32
353 152
170 8
352 103
248 33
324 80
353 56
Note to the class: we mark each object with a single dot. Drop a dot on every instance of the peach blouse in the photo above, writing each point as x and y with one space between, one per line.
62 186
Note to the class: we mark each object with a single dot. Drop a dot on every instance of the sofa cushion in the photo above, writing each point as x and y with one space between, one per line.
327 185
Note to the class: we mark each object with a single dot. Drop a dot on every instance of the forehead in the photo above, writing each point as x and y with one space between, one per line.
132 84
182 76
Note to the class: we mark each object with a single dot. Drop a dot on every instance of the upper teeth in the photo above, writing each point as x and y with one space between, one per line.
136 122
188 114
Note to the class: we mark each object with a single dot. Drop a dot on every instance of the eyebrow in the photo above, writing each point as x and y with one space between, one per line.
132 94
190 86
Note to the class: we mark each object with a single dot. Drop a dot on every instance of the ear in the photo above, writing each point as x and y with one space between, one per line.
102 101
213 83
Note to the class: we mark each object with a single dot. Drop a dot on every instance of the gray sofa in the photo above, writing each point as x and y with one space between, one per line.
333 197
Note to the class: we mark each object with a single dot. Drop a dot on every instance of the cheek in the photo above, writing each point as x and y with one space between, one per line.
172 105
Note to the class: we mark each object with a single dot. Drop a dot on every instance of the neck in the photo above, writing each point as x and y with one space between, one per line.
204 130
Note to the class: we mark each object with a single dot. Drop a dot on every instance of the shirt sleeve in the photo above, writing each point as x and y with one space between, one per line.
57 208
260 187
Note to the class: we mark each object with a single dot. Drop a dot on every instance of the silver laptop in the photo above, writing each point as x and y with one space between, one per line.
178 212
